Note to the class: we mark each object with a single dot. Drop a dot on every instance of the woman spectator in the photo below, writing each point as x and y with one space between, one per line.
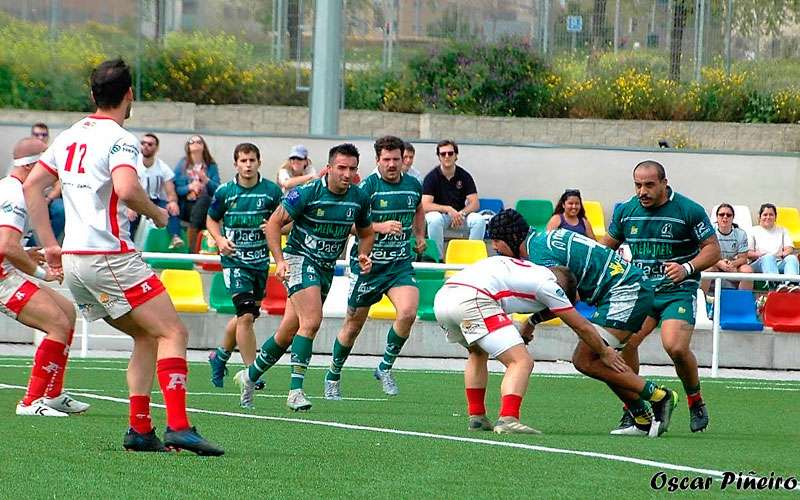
771 247
297 170
733 245
570 214
196 179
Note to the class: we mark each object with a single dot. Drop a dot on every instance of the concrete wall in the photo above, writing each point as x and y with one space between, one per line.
506 171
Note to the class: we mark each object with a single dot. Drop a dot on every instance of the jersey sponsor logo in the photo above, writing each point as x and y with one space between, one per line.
320 212
146 287
260 203
293 197
51 367
349 213
681 310
19 296
410 201
666 230
468 327
634 230
175 380
7 207
459 184
700 228
383 203
311 242
616 268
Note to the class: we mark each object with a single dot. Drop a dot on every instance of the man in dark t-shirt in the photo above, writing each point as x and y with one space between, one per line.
450 198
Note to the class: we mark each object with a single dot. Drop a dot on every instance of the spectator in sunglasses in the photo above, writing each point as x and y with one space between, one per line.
55 205
733 248
196 180
569 214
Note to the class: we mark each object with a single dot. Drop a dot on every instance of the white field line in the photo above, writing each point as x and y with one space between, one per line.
716 474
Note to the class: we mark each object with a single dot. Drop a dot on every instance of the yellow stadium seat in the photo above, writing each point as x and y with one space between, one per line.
185 288
594 212
383 309
789 217
464 252
524 317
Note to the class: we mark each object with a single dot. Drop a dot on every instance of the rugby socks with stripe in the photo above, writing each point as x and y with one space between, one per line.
223 355
652 392
139 417
57 387
48 361
172 378
693 395
394 343
338 358
476 400
301 356
270 353
509 405
641 411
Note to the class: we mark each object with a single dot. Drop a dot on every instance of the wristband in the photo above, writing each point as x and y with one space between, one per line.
688 267
535 318
40 273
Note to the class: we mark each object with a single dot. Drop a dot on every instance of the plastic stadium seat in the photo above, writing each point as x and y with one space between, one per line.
789 217
336 303
384 309
594 212
208 246
431 254
427 292
492 204
464 252
738 311
521 318
219 297
782 312
157 240
585 309
185 288
274 301
702 320
742 216
535 212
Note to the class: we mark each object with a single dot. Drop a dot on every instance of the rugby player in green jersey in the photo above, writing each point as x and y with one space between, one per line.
623 300
237 221
396 211
323 212
672 241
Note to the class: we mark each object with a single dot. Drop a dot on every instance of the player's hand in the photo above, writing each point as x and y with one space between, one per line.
612 359
456 219
282 271
36 255
51 276
526 330
132 215
226 247
365 263
52 256
173 208
263 227
420 245
388 227
675 272
323 172
191 195
160 217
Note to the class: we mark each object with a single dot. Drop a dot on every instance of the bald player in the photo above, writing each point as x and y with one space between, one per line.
24 301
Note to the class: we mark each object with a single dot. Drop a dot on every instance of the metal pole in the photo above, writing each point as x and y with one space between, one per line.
84 338
701 15
715 330
616 26
669 25
546 34
326 73
55 17
139 20
728 41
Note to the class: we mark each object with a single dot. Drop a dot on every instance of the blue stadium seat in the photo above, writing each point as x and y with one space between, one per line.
738 311
585 309
492 204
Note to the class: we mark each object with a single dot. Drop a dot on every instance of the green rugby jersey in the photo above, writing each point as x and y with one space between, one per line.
322 220
668 233
242 210
391 202
597 267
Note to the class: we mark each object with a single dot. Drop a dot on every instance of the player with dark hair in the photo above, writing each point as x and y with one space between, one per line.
323 212
237 220
672 241
623 300
396 212
95 160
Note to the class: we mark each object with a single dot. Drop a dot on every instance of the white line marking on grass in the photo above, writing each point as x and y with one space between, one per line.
745 388
70 367
274 396
718 475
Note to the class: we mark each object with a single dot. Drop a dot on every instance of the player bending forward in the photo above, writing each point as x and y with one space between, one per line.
26 302
473 308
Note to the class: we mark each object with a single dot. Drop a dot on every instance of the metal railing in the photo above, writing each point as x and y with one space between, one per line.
717 277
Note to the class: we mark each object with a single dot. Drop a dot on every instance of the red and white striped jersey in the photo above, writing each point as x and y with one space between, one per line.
83 157
13 213
518 285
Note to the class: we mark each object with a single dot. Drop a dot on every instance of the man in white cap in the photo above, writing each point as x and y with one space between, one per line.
24 301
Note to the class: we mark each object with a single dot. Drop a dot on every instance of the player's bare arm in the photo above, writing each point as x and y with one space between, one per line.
366 237
12 251
130 191
226 246
39 179
708 256
610 242
589 335
275 224
418 227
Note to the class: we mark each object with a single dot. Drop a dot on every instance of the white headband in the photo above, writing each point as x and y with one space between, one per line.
26 160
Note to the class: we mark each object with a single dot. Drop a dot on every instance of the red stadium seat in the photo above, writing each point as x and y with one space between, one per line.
782 312
274 301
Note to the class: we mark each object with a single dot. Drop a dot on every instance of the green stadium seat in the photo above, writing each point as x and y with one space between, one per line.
535 212
431 254
219 297
427 292
157 240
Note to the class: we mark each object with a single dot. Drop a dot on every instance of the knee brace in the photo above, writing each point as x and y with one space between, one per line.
245 303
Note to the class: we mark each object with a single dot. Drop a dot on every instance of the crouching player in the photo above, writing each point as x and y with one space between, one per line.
623 299
473 308
31 305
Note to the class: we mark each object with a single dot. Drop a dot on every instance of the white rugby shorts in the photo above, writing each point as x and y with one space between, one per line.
15 291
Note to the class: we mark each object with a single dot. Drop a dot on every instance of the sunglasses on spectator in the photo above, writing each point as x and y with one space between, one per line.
447 153
41 134
724 214
147 143
195 141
